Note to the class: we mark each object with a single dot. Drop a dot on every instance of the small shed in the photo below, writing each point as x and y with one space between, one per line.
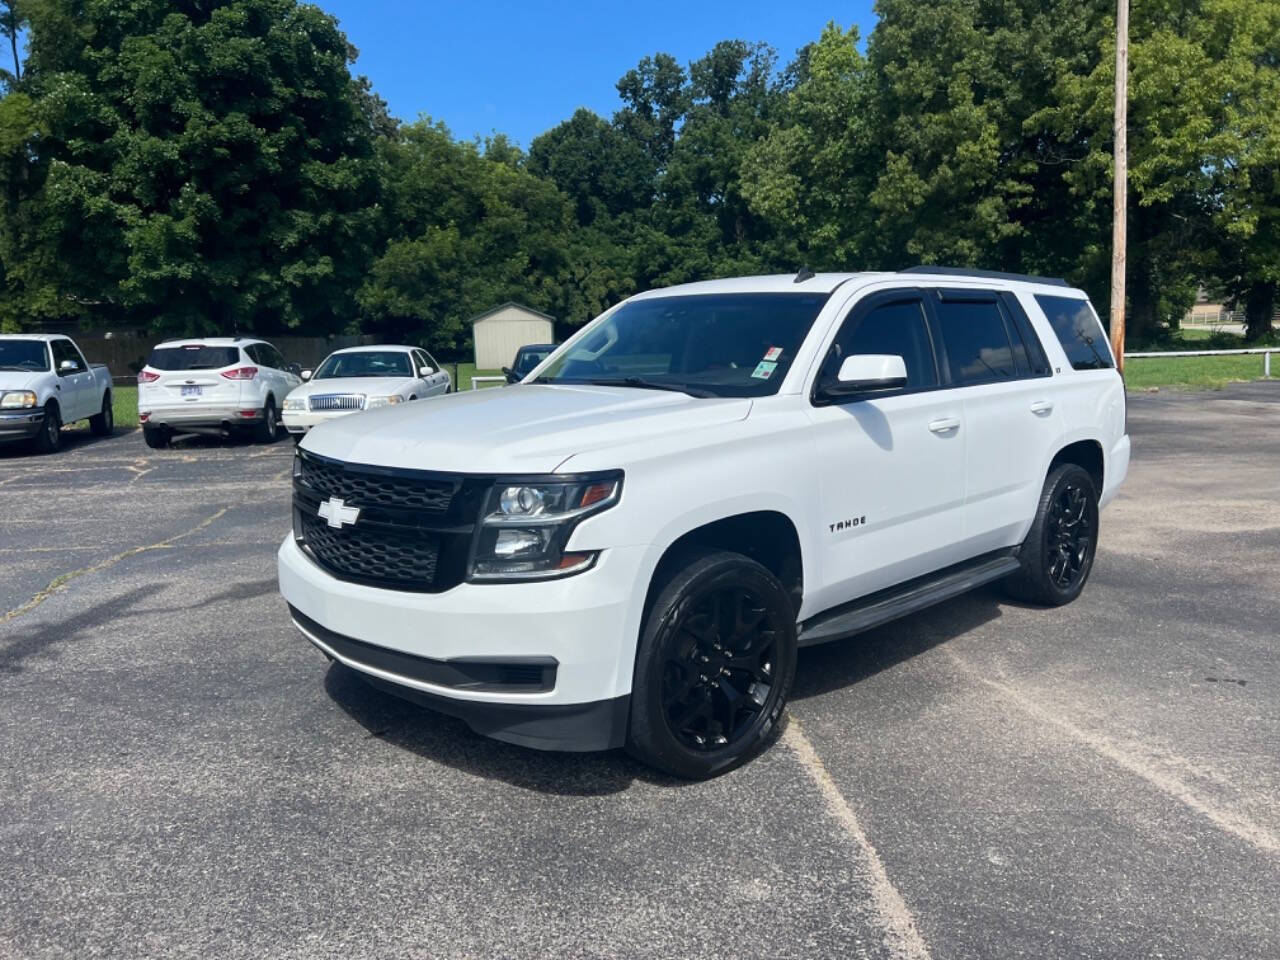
500 332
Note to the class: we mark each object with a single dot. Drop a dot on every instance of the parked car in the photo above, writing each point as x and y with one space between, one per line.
628 548
527 357
45 383
363 378
215 385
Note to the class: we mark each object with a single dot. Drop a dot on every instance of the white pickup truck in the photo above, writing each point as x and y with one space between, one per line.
45 383
627 547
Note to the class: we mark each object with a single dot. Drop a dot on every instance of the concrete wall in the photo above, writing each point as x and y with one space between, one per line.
126 355
499 335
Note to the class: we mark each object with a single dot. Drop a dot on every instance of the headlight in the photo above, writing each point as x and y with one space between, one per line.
526 525
295 404
17 400
374 402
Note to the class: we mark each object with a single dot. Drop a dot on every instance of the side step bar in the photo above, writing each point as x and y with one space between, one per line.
906 598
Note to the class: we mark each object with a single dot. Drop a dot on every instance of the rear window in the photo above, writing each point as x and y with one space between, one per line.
1078 330
195 356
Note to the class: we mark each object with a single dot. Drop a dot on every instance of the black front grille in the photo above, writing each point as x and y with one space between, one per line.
413 530
394 560
370 488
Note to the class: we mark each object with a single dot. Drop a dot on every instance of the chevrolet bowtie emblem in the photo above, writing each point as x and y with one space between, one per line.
337 513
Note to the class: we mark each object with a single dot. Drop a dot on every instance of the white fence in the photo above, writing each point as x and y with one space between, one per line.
1265 351
475 380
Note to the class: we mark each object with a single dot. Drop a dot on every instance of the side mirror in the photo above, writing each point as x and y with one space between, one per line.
68 366
295 369
511 375
426 371
868 373
305 374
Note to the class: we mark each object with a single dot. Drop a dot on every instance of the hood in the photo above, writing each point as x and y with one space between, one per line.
528 428
369 386
19 379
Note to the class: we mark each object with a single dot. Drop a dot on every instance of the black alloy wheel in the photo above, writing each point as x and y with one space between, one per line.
715 666
1070 535
1057 554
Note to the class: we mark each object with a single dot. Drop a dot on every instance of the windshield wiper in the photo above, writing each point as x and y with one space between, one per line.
10 366
642 384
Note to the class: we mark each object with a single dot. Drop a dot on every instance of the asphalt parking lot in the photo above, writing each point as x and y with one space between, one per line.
181 775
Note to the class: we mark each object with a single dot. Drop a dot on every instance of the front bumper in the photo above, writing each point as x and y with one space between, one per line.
301 421
587 625
20 424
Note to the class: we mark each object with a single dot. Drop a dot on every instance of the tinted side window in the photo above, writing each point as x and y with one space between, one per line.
1033 350
1078 331
62 350
274 357
252 351
975 341
897 328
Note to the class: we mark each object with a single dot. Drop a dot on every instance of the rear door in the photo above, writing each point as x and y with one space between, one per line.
1010 419
274 366
191 375
892 490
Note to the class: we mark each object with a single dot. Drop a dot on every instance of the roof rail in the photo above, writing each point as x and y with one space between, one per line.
987 274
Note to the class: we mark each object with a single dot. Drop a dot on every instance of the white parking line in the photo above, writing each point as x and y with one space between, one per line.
1137 762
901 936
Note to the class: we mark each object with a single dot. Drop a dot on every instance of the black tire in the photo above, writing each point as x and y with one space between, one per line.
297 438
268 429
49 439
697 724
1058 554
157 438
102 424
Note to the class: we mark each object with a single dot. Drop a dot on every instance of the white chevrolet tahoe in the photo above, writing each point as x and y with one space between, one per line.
214 385
628 547
46 383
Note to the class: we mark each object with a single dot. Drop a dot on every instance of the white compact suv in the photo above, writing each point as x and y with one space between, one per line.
217 385
362 378
627 547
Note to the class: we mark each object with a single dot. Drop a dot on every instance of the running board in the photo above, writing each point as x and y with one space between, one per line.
906 598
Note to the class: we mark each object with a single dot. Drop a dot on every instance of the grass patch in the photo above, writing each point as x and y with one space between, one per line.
463 372
1193 372
124 406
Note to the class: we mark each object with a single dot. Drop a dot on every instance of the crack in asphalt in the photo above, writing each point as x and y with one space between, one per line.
60 582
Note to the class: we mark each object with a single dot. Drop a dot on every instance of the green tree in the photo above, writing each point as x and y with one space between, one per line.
208 164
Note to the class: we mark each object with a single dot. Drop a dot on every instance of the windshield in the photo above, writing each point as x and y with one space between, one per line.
727 345
193 356
530 357
23 355
365 363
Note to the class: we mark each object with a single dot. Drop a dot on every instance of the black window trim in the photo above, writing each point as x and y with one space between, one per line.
861 308
1030 339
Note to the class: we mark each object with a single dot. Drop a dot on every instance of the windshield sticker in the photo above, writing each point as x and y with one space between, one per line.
764 370
773 353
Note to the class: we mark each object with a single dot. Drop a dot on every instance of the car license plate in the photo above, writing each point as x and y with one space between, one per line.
190 391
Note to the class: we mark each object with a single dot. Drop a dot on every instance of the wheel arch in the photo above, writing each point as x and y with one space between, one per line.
1087 454
769 537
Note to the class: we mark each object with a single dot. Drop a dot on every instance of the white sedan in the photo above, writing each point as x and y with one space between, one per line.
362 378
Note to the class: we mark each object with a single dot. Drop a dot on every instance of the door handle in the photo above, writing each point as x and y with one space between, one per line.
945 425
1041 408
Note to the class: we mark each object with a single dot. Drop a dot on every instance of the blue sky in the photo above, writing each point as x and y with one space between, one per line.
522 67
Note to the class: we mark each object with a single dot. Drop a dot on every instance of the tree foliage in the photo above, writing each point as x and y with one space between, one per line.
210 165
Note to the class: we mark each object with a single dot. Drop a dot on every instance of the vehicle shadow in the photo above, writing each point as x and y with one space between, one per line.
842 663
74 438
449 741
823 669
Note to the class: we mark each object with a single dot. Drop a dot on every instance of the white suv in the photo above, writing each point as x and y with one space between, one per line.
362 378
213 385
628 547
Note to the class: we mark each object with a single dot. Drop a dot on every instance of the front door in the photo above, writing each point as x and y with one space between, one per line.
76 397
892 489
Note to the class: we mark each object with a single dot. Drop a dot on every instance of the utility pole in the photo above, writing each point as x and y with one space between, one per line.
1121 186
